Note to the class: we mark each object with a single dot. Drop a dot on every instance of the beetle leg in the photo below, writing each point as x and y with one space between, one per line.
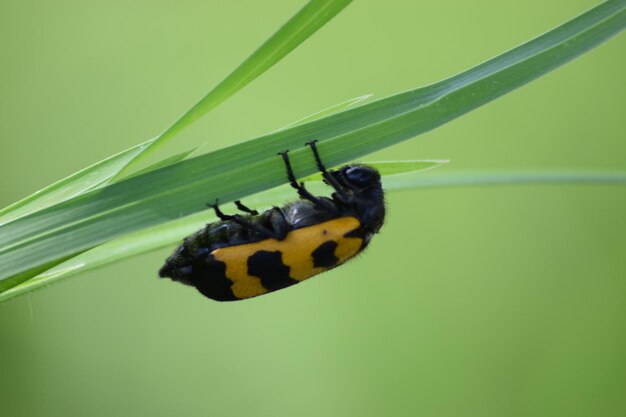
220 215
236 218
302 191
245 209
338 185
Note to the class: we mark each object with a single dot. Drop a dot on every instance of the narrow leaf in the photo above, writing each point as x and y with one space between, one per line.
472 178
173 232
83 180
329 110
313 16
302 25
167 161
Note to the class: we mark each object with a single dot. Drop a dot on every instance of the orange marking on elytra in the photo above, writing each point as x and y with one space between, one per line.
296 250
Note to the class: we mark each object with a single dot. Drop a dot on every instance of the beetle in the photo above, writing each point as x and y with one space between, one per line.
243 256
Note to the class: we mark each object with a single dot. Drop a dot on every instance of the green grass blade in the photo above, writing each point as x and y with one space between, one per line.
474 179
145 240
184 188
172 233
307 21
167 161
329 110
313 16
71 186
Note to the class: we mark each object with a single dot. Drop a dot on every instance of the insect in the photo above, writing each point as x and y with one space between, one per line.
243 256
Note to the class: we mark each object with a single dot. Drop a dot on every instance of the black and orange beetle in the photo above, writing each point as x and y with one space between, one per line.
243 256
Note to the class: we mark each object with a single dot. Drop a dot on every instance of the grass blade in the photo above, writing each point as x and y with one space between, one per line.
167 161
76 184
329 110
313 16
307 21
474 179
184 188
172 233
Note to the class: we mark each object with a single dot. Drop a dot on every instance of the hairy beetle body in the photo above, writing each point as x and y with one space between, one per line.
243 256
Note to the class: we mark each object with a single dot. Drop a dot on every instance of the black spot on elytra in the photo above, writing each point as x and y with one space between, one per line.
359 232
269 267
209 277
324 255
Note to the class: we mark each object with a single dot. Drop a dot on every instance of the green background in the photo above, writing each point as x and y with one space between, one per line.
483 301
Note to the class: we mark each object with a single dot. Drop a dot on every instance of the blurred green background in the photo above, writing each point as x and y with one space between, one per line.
483 301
